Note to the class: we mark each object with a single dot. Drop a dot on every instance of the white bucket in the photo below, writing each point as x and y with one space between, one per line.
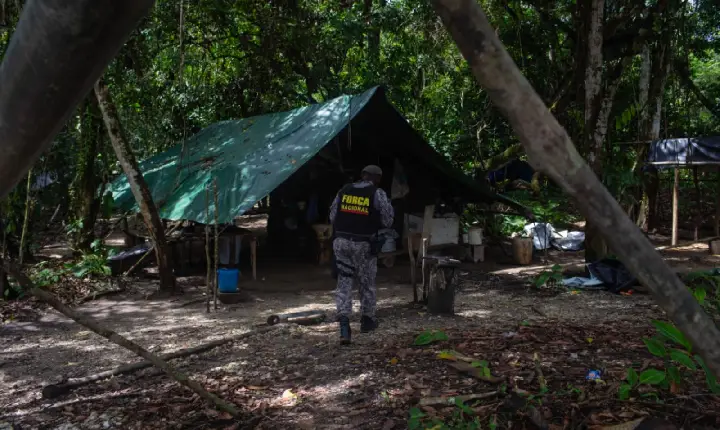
475 236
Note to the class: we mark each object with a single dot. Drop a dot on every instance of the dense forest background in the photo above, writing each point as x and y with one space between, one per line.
655 73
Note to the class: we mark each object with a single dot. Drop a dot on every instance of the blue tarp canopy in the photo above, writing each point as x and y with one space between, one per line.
685 151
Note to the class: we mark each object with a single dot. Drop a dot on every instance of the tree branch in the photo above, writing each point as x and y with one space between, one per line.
550 150
683 72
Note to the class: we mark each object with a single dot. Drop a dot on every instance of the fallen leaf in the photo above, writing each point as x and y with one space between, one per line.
289 395
446 355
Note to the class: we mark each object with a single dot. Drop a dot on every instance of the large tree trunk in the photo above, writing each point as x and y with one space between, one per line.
57 51
595 105
138 186
550 150
115 338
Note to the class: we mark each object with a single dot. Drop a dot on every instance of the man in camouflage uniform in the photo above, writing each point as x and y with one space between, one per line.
357 213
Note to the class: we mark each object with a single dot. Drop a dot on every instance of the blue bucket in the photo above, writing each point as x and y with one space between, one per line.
228 280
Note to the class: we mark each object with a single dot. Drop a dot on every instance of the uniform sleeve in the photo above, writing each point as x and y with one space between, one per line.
383 205
333 208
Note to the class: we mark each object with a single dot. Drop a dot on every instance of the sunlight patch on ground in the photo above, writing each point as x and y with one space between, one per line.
475 313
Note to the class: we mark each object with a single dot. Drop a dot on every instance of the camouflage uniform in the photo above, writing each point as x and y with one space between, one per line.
355 262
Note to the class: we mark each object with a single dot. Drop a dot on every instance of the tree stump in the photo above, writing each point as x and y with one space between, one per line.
441 285
522 250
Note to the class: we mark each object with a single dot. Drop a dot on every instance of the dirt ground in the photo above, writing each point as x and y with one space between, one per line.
299 377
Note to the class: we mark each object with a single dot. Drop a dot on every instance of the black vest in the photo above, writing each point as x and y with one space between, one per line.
356 214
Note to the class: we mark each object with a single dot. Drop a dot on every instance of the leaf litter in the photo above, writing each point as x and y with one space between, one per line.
507 368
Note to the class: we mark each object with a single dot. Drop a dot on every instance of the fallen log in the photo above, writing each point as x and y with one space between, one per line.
115 338
62 388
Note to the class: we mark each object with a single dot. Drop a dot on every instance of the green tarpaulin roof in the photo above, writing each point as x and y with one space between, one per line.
249 158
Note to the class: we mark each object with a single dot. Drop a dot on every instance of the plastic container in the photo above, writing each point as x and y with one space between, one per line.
475 236
228 280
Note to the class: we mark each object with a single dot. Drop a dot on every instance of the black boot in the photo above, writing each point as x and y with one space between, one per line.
367 324
344 330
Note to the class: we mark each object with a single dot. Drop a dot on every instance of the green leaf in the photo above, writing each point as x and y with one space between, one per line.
655 347
671 332
424 338
416 413
709 376
486 372
652 377
624 392
427 337
542 279
439 336
700 294
682 358
632 377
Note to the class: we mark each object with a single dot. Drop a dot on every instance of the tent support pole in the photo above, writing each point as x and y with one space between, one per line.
675 197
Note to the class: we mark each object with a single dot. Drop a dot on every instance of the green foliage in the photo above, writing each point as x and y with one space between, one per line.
550 278
427 337
484 367
462 418
676 351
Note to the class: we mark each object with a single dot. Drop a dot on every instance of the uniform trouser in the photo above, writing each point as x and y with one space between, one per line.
355 264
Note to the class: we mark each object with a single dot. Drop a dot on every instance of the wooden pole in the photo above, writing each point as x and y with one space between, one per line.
413 267
697 218
253 256
717 204
208 271
217 246
675 198
115 338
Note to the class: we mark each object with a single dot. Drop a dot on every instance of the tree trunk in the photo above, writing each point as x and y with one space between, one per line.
87 202
595 105
26 219
138 186
115 338
651 114
550 150
78 39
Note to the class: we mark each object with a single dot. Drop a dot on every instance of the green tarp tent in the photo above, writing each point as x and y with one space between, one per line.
251 157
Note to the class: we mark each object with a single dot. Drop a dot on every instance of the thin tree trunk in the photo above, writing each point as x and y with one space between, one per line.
550 150
138 186
650 130
115 338
26 220
87 202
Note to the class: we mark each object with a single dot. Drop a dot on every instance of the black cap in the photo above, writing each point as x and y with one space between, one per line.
373 170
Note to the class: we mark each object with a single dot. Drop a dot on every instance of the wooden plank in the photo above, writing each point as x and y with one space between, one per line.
675 198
